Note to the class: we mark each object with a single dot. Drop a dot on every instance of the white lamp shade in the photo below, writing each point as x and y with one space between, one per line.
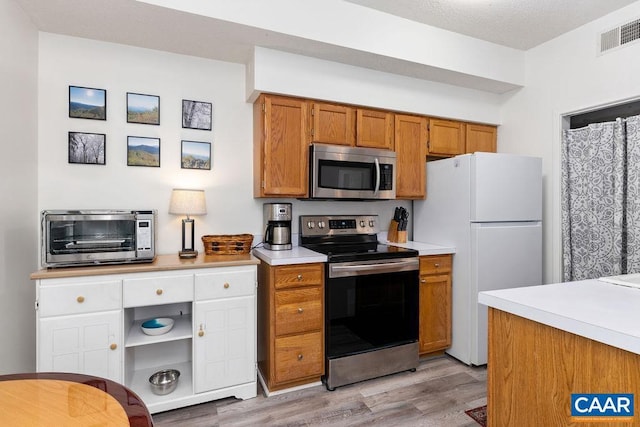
187 202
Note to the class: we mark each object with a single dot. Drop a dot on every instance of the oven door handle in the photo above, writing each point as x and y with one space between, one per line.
361 269
377 187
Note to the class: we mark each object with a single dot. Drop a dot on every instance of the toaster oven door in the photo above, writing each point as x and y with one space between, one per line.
72 239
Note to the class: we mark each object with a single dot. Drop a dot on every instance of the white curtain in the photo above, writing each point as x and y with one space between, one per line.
601 199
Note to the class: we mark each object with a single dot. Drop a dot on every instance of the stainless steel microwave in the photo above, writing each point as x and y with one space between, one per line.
339 172
89 237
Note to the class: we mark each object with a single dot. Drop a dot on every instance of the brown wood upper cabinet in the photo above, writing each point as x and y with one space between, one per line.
446 138
280 149
481 138
374 129
332 124
411 150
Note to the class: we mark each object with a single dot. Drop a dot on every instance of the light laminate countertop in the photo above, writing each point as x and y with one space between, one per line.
593 309
300 255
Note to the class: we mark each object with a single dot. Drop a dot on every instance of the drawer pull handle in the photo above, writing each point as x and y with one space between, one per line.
436 265
300 310
158 291
226 286
299 277
113 346
80 299
300 356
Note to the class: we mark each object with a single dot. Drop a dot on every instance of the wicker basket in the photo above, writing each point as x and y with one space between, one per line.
231 244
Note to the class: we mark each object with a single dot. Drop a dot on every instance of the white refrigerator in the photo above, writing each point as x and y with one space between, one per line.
489 207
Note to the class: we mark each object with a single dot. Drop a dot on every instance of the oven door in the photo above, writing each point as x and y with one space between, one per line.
372 309
351 173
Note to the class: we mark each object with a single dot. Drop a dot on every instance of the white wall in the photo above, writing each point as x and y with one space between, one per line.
18 188
563 76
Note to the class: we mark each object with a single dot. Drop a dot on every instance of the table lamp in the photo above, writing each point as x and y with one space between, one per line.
189 203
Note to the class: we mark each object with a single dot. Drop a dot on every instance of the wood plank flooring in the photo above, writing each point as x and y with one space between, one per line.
437 394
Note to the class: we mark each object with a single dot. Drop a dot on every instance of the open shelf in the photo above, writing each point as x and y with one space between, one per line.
182 329
140 384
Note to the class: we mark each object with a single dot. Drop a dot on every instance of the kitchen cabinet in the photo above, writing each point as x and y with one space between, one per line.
91 325
332 124
374 129
280 148
435 303
446 138
79 327
291 324
481 138
411 151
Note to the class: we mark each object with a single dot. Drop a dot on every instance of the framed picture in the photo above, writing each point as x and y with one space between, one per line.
87 148
143 109
143 151
196 114
196 155
87 103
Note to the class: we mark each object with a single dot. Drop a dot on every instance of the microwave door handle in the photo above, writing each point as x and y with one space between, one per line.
377 187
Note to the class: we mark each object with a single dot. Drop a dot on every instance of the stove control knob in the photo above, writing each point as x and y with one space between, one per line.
321 224
311 225
361 223
371 223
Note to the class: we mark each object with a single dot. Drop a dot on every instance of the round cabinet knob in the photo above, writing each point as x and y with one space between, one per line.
300 356
299 276
80 299
300 310
113 346
158 291
226 285
436 265
200 333
423 280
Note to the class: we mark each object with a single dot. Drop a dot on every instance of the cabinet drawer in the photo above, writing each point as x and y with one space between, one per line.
225 284
298 356
299 310
157 290
435 264
298 275
56 300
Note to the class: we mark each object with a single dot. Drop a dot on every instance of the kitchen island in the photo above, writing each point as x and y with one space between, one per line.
548 342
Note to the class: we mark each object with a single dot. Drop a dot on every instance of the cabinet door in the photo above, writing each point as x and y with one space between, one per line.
446 137
481 138
333 124
411 151
374 129
225 343
280 147
86 344
435 313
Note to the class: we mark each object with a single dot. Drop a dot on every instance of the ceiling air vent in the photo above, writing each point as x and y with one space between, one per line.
619 36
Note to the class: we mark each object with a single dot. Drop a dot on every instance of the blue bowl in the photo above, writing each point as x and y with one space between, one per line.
157 326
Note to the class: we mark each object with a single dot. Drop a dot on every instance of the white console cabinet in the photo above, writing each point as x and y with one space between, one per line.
88 321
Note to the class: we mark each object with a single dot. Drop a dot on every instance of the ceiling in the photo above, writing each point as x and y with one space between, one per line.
520 24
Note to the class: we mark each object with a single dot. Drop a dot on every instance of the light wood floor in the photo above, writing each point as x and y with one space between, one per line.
437 394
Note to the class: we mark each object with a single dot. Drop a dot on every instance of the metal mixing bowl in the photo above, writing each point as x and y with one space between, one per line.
164 382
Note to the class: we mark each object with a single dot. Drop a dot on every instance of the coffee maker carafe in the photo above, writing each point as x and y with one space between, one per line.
277 223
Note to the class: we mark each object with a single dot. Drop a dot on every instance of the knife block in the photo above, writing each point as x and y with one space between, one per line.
395 236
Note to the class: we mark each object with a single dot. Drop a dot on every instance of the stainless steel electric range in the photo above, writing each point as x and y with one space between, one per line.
371 298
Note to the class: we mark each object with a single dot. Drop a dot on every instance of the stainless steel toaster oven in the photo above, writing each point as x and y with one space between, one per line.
89 237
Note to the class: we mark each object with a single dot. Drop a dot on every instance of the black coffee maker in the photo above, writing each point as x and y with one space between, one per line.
277 224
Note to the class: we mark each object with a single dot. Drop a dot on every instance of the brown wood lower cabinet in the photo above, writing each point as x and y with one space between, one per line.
290 324
435 303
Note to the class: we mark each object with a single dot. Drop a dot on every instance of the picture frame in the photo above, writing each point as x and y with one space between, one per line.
87 148
143 109
143 151
195 155
87 103
196 114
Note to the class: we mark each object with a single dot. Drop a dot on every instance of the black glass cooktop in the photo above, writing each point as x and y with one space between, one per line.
361 252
